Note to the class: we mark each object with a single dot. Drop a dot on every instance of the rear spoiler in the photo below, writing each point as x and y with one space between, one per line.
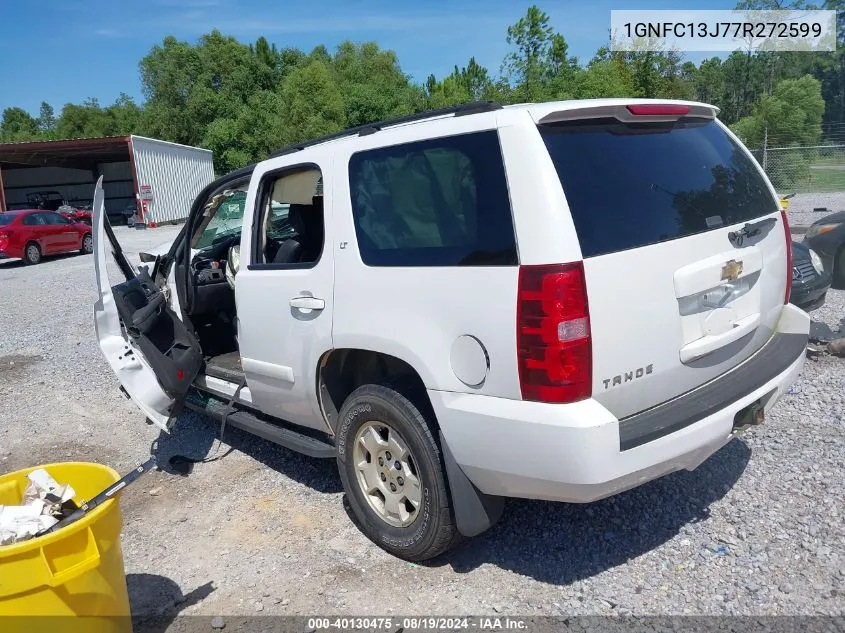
634 112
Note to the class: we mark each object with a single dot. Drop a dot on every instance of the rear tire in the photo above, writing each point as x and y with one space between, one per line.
87 244
386 420
32 254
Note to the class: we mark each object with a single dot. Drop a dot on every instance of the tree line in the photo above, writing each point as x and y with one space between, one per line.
245 100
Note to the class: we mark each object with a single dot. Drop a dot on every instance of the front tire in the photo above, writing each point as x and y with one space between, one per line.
32 254
87 244
391 468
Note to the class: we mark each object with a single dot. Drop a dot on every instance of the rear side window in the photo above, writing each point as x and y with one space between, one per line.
633 185
439 202
34 219
54 218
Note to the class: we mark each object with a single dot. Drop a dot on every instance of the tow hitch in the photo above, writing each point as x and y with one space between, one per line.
752 415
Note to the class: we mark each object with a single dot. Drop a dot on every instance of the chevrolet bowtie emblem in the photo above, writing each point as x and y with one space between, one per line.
731 270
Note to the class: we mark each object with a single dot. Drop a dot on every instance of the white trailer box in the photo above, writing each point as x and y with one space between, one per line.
134 168
170 176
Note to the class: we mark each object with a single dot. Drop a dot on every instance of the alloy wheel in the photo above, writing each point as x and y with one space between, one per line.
387 473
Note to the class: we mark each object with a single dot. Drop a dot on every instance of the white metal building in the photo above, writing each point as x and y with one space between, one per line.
168 175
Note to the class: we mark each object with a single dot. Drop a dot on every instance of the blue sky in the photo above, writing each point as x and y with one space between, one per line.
65 51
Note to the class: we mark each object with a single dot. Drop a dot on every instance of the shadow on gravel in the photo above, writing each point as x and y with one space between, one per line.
556 543
822 332
560 543
195 436
155 601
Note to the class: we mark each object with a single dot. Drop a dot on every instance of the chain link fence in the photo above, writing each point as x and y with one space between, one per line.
817 169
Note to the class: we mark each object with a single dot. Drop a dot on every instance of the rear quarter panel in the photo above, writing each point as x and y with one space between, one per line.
417 313
21 236
16 235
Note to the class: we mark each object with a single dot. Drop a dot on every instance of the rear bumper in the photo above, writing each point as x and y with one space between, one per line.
575 452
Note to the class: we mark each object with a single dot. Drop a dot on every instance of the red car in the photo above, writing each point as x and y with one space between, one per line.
75 214
31 234
55 201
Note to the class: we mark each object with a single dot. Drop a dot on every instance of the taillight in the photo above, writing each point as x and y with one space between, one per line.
4 240
788 235
554 348
658 109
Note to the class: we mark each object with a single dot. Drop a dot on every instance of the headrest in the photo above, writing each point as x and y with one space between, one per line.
296 217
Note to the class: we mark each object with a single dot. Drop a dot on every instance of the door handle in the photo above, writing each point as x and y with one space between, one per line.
710 343
307 303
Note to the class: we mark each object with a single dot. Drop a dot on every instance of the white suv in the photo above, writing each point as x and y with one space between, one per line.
555 301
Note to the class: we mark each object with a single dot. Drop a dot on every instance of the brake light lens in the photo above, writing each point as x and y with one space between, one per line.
4 241
788 235
553 340
658 109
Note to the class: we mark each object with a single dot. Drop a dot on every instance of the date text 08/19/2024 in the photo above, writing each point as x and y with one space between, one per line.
418 623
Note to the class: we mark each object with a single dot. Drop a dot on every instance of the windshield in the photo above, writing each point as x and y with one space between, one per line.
223 218
278 225
633 185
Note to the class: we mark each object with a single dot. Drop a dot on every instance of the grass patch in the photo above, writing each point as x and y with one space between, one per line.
826 179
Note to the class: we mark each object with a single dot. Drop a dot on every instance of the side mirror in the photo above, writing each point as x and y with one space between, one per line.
146 257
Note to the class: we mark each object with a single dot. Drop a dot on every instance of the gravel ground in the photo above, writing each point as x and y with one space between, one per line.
757 529
801 207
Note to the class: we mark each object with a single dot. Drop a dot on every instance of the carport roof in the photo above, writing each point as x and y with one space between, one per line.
77 152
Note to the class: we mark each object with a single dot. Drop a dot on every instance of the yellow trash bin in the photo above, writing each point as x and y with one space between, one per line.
76 572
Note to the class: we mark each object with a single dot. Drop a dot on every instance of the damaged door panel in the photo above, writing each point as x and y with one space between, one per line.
153 354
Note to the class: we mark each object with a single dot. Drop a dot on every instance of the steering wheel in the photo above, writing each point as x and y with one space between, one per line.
233 263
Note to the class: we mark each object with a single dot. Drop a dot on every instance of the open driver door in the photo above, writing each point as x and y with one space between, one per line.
154 355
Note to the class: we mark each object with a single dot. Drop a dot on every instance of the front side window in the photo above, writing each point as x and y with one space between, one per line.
289 222
438 202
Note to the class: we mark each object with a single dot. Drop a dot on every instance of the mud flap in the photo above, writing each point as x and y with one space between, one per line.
475 511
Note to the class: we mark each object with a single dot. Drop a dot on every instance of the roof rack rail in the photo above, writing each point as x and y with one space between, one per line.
475 107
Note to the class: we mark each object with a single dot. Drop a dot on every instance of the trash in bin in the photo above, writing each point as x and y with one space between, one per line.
45 502
42 486
48 506
87 506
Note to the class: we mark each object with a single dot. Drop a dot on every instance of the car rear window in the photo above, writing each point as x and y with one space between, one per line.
633 185
6 219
